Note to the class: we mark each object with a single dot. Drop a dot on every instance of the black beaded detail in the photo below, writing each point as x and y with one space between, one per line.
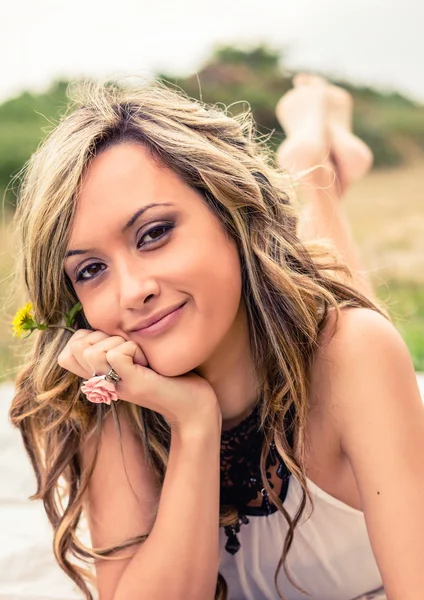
241 480
233 545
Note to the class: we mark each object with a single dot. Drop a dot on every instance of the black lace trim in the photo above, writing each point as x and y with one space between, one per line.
241 480
240 472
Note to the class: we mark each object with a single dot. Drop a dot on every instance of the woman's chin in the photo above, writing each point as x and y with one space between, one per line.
176 360
169 368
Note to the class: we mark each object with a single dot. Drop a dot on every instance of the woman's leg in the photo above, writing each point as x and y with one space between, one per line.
317 118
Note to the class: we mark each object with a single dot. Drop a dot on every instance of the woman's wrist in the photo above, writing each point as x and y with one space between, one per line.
204 425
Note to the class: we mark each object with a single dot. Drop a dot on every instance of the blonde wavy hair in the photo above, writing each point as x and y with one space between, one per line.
288 288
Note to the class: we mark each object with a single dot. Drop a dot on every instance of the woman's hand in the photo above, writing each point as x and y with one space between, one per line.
183 400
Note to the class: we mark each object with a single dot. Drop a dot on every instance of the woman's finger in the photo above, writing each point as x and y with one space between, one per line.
179 399
71 364
125 360
71 357
77 347
95 355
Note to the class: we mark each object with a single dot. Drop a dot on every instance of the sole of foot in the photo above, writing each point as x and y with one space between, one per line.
302 114
317 118
352 157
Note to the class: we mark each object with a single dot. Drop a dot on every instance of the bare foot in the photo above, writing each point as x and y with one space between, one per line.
302 112
317 118
353 158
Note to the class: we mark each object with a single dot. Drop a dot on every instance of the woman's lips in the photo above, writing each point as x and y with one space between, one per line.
162 324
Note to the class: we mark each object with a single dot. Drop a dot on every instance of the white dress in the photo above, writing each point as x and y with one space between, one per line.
330 558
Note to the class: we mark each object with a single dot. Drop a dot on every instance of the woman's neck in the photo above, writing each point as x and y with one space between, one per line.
232 374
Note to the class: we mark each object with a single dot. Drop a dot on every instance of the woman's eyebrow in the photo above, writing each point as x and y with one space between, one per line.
130 223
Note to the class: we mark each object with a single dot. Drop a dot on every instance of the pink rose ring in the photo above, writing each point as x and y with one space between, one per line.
101 390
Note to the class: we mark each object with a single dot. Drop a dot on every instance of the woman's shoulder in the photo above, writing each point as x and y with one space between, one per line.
356 332
353 345
363 385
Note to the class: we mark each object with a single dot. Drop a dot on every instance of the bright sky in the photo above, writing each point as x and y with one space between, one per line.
376 42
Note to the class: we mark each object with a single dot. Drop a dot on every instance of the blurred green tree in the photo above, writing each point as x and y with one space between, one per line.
235 77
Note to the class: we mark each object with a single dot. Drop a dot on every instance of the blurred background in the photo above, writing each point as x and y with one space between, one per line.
237 54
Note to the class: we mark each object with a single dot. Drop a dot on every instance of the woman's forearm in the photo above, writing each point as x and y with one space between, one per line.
180 558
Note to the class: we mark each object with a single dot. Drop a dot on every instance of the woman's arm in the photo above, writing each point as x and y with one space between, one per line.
374 399
180 558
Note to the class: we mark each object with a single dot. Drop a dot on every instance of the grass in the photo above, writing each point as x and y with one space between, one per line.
386 211
405 301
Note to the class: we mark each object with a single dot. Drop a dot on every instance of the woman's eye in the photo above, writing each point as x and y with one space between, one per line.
152 233
80 276
155 233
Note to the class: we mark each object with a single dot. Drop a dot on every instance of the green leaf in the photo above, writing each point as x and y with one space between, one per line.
70 317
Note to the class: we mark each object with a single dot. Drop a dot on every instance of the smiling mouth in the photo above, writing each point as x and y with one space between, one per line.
163 323
164 316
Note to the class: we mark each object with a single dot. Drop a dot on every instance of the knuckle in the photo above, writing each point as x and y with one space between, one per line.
132 346
113 352
117 338
89 351
79 334
76 345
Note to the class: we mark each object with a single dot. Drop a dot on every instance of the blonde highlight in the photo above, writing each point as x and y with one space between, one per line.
288 287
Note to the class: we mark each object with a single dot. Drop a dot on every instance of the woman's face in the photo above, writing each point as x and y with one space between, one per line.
172 253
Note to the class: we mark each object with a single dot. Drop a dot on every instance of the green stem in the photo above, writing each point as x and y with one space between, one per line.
62 327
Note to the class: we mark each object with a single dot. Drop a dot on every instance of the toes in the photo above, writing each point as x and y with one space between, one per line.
340 97
308 79
285 106
301 79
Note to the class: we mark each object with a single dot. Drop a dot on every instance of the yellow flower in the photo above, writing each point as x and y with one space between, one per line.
23 320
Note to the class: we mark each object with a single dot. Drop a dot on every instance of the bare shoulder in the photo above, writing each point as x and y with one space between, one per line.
363 378
365 387
359 333
361 366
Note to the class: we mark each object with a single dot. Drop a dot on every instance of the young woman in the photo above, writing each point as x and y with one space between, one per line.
275 399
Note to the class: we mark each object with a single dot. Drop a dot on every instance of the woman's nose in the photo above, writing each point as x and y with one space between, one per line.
135 286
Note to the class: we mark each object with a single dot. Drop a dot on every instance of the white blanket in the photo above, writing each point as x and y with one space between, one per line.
28 570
